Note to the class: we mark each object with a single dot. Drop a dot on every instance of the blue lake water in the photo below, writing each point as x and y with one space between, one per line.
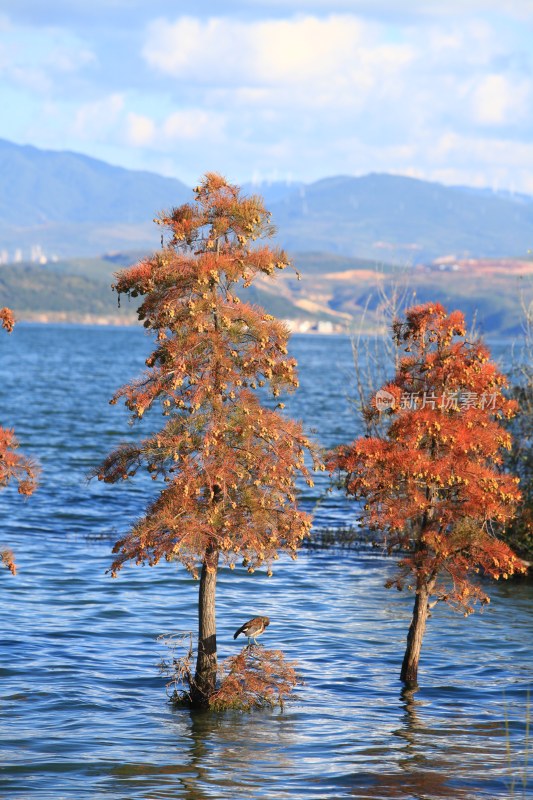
83 710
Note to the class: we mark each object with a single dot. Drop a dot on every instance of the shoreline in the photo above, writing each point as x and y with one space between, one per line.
307 327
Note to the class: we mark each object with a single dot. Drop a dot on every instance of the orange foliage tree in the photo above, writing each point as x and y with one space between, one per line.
430 481
229 464
13 465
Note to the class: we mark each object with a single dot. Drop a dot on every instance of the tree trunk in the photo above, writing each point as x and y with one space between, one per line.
206 662
415 636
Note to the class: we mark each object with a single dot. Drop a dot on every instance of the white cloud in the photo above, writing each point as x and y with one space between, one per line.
497 100
71 60
462 43
301 51
97 119
193 123
140 130
41 64
474 160
342 86
30 78
388 8
340 93
186 126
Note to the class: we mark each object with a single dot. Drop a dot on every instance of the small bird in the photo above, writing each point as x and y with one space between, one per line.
253 628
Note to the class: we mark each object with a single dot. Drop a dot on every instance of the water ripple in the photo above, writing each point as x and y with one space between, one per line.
83 711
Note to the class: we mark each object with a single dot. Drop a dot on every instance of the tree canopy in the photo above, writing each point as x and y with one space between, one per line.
229 463
228 459
430 482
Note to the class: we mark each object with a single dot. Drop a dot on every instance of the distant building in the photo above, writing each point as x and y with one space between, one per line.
37 255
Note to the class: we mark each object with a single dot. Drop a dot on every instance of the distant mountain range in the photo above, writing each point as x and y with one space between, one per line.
403 220
67 204
72 205
68 222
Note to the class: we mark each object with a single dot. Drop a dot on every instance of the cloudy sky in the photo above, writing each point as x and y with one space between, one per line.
437 89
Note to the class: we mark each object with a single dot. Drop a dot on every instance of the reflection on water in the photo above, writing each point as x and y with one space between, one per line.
83 710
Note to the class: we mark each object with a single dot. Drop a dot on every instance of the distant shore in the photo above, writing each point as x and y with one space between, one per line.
322 327
72 318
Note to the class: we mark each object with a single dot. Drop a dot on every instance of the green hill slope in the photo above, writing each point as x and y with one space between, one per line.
334 291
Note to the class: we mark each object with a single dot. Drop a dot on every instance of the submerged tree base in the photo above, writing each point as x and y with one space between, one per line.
254 678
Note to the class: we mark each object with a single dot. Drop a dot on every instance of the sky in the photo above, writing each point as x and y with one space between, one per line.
279 90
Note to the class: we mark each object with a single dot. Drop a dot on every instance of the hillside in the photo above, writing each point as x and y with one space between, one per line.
349 292
335 292
402 220
71 205
37 294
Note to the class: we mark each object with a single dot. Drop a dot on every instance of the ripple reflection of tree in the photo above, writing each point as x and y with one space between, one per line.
223 751
421 776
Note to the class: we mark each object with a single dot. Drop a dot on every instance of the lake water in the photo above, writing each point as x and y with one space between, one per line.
83 711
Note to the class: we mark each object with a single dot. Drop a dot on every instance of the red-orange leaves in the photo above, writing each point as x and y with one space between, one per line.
431 323
229 465
255 678
431 482
7 320
15 466
6 557
252 455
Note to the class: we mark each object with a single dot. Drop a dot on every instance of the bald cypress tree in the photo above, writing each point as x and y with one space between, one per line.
429 478
228 463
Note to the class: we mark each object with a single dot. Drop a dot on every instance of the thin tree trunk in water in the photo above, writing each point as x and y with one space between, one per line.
409 673
206 662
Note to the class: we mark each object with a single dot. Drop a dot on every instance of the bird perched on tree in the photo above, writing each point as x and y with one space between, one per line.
253 628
